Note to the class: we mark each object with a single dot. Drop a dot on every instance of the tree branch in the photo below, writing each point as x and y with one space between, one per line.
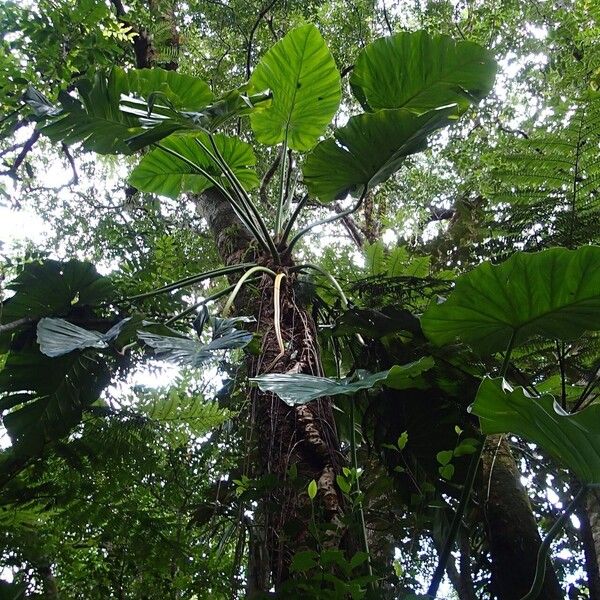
27 146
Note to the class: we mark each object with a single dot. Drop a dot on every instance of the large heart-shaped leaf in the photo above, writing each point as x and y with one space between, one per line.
162 173
368 150
572 439
554 294
299 388
422 72
305 82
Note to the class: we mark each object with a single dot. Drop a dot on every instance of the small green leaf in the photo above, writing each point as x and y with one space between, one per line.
447 471
343 484
304 561
467 446
444 457
402 440
358 559
312 489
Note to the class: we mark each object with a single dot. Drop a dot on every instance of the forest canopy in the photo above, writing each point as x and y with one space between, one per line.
299 299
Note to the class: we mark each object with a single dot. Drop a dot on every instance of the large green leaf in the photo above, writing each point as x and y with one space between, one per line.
368 150
295 389
51 287
554 294
422 72
96 118
162 173
181 91
305 82
572 439
50 394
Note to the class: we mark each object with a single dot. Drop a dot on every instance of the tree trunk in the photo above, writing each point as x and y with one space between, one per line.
293 444
589 517
512 531
461 580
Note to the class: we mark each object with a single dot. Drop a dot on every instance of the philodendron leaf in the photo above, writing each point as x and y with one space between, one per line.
305 82
422 72
573 439
185 351
57 336
554 294
368 150
96 118
162 173
296 389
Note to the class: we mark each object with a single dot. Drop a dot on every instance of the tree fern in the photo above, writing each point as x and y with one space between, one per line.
182 412
546 189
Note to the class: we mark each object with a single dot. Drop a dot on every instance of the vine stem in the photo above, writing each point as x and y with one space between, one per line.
361 512
240 283
191 280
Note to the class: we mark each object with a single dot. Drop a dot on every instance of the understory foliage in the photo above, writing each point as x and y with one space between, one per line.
317 311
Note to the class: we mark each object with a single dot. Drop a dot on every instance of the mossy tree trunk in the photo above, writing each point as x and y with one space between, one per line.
512 531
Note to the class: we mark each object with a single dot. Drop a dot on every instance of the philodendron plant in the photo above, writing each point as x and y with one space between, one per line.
409 85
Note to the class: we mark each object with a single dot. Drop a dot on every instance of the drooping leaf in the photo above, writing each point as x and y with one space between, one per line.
305 82
57 336
162 173
572 439
554 294
368 150
40 105
96 120
185 351
422 72
295 389
161 121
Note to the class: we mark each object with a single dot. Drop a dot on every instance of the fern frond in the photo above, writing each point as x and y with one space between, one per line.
179 409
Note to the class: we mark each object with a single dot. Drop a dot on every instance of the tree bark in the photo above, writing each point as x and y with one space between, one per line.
512 531
589 517
460 580
301 438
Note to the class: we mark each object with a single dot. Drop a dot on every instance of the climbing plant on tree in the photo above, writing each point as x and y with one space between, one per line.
290 99
307 529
